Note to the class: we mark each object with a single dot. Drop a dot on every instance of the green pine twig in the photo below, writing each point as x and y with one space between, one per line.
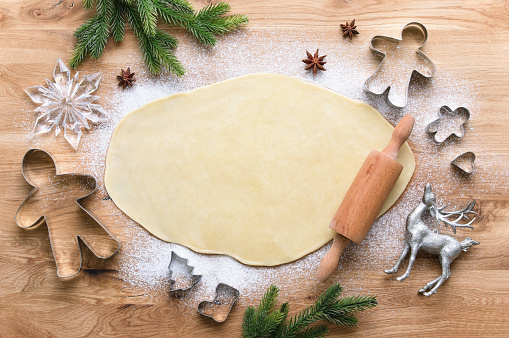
317 331
142 15
264 321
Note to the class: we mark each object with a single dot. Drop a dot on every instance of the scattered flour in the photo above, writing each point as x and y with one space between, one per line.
144 259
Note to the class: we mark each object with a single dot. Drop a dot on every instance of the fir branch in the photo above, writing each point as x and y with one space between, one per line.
269 300
284 309
187 21
267 324
318 331
340 320
88 4
205 24
148 14
142 15
212 11
248 322
104 11
262 321
225 24
179 5
265 321
353 304
157 51
93 34
118 21
315 312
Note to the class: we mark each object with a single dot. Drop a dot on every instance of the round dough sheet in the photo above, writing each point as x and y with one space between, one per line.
253 167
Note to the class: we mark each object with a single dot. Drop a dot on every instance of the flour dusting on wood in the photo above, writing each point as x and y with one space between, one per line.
144 259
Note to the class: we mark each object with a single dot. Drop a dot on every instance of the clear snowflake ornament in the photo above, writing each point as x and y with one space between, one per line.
67 104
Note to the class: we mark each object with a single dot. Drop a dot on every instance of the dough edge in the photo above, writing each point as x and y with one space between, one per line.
309 249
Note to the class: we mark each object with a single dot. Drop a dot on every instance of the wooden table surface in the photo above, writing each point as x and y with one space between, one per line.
469 38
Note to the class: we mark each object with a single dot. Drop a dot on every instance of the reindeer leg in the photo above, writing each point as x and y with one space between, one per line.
400 259
429 285
413 253
446 273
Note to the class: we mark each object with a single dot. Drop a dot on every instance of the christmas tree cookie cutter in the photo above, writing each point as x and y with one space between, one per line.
465 162
449 123
59 201
401 60
219 308
181 274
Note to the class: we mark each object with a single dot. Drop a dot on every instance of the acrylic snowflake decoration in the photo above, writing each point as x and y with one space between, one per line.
67 104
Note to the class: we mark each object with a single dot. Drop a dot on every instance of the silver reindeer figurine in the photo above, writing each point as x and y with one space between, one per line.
419 237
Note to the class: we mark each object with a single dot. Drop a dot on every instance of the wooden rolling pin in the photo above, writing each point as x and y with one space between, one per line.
365 197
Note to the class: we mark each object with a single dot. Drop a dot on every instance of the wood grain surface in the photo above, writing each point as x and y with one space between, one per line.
467 37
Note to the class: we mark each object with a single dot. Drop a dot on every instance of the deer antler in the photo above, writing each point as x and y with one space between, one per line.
463 214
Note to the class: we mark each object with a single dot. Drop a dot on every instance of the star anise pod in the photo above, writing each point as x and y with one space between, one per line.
314 61
349 29
126 78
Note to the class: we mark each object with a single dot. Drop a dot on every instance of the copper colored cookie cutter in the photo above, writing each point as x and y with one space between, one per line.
379 41
219 308
57 200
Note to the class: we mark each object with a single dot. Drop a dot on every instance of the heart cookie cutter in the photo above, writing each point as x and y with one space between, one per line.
182 278
58 200
413 37
465 162
447 116
219 308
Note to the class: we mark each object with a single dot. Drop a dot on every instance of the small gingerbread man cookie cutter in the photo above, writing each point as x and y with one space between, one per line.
378 84
441 130
67 222
219 308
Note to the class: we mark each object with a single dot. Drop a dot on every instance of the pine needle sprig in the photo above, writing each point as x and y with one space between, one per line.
262 321
88 4
93 34
267 322
354 304
118 21
148 15
317 331
180 5
269 300
142 15
157 51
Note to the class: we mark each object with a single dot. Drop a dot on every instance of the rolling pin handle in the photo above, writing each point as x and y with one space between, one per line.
400 134
330 261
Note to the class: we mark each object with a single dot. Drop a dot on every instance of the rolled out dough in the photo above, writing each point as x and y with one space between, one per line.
253 167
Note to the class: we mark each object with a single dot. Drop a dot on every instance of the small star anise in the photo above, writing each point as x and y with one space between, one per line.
314 61
349 29
126 78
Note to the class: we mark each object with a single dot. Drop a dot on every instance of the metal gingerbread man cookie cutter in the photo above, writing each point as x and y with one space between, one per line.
413 37
57 200
441 129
